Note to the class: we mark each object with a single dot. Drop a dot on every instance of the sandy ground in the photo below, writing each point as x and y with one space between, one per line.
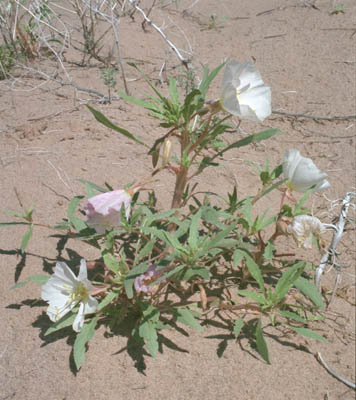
308 57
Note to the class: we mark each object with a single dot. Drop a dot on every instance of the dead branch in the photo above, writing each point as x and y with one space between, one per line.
314 117
184 61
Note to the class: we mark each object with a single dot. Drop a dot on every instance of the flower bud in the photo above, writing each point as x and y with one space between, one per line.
166 151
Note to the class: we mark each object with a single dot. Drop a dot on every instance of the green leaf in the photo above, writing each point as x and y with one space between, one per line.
25 239
287 280
103 120
110 261
40 279
261 343
257 137
193 231
72 206
64 322
19 285
185 316
173 91
268 252
272 187
239 255
107 300
292 315
148 328
90 186
309 290
77 223
207 78
63 225
309 333
299 206
219 237
142 103
252 295
237 327
83 337
187 274
145 251
255 272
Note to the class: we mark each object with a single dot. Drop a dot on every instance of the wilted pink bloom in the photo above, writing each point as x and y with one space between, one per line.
145 282
103 210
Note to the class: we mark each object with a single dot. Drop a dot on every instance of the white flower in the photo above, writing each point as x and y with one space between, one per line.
243 92
302 173
103 210
303 228
63 291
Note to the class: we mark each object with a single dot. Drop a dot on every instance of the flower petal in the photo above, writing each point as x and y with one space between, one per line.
103 210
291 160
53 294
79 319
302 173
249 75
91 305
83 274
63 272
243 92
255 103
229 101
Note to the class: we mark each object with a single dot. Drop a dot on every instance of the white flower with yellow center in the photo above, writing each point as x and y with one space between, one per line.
244 93
63 291
302 173
303 228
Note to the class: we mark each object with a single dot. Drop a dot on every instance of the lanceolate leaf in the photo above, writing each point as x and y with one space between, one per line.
257 137
193 231
261 343
40 279
90 186
207 78
287 280
103 120
237 327
107 300
255 272
185 316
252 295
67 320
25 239
83 337
309 290
309 333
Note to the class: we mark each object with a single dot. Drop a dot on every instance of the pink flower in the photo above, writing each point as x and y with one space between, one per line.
103 210
145 282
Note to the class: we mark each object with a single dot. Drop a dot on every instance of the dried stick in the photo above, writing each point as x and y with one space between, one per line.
101 97
333 373
114 23
330 255
315 118
183 60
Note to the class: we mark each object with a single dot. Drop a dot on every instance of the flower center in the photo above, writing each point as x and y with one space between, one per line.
80 293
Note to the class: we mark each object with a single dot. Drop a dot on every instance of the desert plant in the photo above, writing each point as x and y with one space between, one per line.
150 261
